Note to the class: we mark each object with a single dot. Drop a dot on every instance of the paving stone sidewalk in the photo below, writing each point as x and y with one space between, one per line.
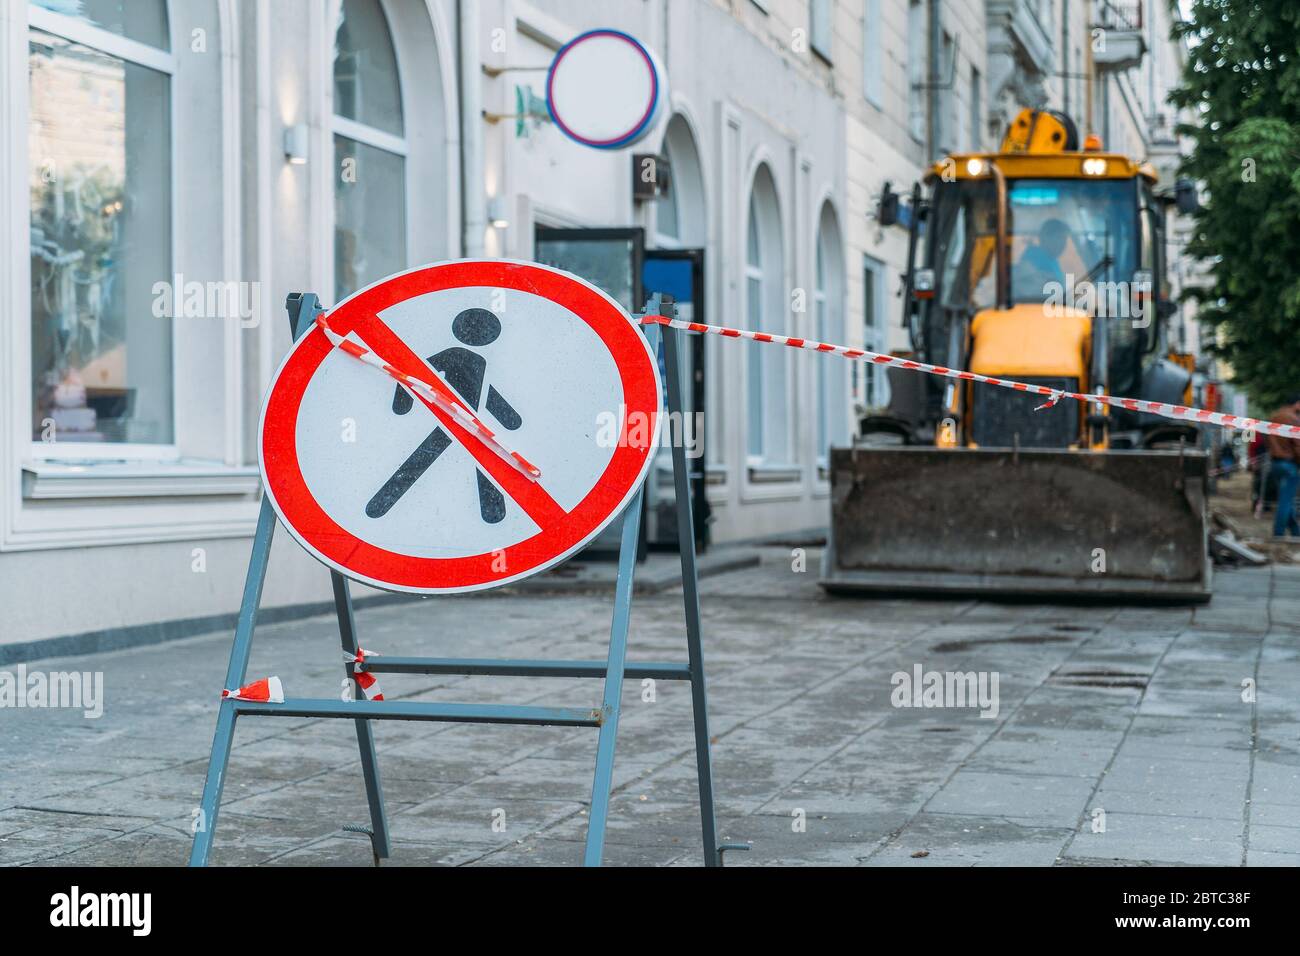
1121 737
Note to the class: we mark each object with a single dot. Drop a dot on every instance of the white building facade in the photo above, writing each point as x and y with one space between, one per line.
171 169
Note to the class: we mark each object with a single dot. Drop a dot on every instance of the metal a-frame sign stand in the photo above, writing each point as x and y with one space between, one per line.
303 309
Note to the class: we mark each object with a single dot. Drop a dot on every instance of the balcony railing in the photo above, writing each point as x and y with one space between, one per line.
1119 14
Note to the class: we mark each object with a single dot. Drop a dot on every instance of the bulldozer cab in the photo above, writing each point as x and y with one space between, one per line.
1057 231
1068 297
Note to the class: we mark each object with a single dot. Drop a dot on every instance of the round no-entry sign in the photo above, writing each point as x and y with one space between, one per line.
388 488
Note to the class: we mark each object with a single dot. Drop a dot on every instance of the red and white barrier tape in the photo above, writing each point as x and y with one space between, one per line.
268 690
1164 410
464 417
365 680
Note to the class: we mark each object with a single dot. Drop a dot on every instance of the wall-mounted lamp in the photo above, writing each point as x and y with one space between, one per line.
497 212
296 144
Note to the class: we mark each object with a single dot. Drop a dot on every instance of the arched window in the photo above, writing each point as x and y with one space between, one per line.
754 278
667 216
681 222
828 314
767 386
680 212
100 175
369 150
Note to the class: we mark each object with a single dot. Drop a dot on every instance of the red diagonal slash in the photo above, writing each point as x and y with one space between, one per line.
517 477
443 399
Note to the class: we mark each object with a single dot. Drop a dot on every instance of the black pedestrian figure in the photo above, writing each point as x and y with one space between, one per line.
464 371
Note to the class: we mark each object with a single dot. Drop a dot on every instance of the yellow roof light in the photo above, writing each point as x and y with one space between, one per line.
975 166
1094 166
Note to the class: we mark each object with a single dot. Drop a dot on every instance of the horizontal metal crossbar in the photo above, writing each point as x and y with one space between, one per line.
660 670
421 710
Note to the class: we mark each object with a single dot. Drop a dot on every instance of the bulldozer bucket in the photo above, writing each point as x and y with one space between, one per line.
998 521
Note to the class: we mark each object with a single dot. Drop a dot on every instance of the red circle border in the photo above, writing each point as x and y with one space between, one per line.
321 535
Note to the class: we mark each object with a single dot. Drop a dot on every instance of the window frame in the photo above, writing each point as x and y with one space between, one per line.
821 14
754 275
770 465
830 287
667 240
163 61
873 52
916 71
874 332
367 136
821 332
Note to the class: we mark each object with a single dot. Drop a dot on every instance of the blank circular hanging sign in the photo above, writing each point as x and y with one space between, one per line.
460 426
605 89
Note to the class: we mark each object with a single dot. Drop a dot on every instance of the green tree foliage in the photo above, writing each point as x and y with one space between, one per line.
1242 88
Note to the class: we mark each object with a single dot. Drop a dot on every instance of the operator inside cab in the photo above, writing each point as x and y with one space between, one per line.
1040 264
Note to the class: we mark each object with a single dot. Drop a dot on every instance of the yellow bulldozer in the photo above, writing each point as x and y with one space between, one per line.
1043 263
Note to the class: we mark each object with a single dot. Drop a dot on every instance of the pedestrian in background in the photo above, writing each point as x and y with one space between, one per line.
1228 454
1285 456
1257 462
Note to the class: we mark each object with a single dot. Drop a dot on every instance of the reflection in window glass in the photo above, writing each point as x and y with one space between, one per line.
366 86
99 178
143 20
369 215
666 219
607 264
370 192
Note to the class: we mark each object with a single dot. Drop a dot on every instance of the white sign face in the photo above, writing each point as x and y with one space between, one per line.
605 89
389 489
560 434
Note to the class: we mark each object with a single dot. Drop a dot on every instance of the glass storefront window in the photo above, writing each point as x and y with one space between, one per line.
609 262
100 186
369 151
366 85
369 216
142 20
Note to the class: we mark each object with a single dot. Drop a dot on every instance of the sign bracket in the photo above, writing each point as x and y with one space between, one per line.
303 309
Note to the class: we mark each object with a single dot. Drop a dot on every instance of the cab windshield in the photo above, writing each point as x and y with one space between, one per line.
1062 234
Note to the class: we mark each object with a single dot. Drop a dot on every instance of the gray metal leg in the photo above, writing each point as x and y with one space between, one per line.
206 825
365 732
604 777
691 599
